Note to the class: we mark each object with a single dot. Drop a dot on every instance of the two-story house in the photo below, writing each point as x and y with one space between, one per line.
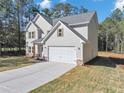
71 39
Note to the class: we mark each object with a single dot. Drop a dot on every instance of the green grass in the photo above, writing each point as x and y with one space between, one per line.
102 75
11 49
7 63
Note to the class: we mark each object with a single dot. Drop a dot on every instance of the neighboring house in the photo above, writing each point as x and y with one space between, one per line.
71 39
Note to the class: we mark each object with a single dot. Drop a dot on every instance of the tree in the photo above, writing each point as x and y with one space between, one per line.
117 15
114 32
63 9
83 10
47 12
20 6
14 15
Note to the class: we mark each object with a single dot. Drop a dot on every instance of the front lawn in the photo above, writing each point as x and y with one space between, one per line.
105 74
8 63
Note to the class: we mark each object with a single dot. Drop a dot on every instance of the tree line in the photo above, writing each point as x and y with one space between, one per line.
111 33
14 16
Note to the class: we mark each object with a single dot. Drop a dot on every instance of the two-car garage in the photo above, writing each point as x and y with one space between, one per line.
62 54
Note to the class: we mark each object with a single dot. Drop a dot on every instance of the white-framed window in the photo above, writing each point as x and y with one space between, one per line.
33 34
60 32
29 49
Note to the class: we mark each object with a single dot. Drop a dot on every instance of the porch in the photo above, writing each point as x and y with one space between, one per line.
37 53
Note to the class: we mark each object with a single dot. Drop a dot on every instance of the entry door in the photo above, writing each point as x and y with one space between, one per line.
62 54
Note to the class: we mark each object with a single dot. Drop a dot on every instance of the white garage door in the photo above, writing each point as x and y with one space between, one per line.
62 54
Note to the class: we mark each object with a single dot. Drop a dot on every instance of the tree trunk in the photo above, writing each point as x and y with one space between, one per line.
106 41
19 36
0 48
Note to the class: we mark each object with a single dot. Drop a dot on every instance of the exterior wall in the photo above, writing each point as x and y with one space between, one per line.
85 48
69 39
89 31
83 30
43 24
39 34
32 28
90 49
87 52
93 35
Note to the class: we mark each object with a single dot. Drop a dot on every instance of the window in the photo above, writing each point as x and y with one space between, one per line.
60 33
29 49
29 34
33 34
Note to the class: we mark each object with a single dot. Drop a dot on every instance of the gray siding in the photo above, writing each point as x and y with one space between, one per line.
93 35
90 49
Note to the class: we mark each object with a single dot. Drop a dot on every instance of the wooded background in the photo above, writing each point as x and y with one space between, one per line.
15 14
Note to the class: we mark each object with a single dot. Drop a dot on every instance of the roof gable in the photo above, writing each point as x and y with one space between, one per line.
49 20
29 24
65 24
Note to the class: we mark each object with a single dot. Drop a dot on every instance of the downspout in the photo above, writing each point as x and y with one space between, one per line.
82 53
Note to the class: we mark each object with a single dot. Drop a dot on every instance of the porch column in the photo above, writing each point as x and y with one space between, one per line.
36 51
33 50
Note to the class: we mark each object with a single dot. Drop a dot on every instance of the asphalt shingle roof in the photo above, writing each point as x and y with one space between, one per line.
73 19
79 18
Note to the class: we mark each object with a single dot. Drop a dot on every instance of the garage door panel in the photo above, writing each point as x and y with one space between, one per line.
62 54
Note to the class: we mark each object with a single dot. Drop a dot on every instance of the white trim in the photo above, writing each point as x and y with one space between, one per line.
30 22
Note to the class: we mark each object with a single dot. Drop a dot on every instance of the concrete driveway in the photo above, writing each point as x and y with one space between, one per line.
25 79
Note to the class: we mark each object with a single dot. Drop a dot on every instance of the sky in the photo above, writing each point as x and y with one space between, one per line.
103 8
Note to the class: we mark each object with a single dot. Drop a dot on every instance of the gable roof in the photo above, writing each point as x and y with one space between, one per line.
75 19
31 22
49 20
68 21
56 26
28 25
39 29
83 18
